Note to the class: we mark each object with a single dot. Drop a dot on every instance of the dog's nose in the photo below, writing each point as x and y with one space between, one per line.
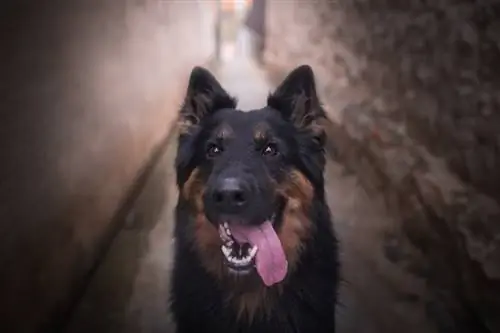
230 195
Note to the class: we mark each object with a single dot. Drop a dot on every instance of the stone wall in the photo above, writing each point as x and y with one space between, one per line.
89 88
411 88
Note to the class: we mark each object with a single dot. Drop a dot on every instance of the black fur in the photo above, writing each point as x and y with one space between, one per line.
199 299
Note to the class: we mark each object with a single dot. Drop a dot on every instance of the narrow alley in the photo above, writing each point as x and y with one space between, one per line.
127 294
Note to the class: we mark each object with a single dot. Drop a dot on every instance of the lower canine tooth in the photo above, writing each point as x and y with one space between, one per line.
226 251
253 251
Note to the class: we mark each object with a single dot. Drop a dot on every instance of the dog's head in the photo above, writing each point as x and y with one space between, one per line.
250 177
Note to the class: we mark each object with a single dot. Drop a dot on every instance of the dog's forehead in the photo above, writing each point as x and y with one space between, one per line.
255 123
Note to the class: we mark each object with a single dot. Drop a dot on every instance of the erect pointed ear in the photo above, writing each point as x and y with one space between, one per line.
298 102
204 96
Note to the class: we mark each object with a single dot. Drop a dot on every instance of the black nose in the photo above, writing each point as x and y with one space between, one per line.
230 195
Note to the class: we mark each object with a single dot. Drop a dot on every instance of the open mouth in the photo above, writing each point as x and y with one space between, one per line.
239 257
246 248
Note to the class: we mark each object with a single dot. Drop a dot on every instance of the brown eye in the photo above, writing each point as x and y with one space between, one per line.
213 151
270 150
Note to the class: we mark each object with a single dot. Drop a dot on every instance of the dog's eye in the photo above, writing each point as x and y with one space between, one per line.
270 150
213 150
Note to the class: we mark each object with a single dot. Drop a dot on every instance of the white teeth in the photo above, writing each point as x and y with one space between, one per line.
228 253
235 256
224 232
226 227
253 251
224 235
226 250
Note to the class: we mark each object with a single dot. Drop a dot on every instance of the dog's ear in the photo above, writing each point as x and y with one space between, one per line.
297 100
204 96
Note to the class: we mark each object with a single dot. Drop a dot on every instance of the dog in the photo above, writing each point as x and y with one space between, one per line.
255 249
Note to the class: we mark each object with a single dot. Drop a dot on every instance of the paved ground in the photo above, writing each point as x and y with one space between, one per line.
129 291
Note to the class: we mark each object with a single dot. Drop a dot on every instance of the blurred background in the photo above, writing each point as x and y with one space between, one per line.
89 97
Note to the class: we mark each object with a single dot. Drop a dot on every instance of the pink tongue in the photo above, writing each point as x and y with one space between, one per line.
271 261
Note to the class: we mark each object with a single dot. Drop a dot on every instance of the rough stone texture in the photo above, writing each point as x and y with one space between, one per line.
411 88
88 89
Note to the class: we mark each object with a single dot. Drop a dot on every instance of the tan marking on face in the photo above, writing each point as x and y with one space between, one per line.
260 132
224 132
208 244
296 226
206 239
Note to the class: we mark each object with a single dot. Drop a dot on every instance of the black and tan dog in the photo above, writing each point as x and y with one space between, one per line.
255 251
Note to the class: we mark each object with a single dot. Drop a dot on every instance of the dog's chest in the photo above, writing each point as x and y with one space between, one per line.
279 316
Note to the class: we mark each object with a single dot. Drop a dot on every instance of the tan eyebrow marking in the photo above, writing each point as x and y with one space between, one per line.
261 132
224 132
